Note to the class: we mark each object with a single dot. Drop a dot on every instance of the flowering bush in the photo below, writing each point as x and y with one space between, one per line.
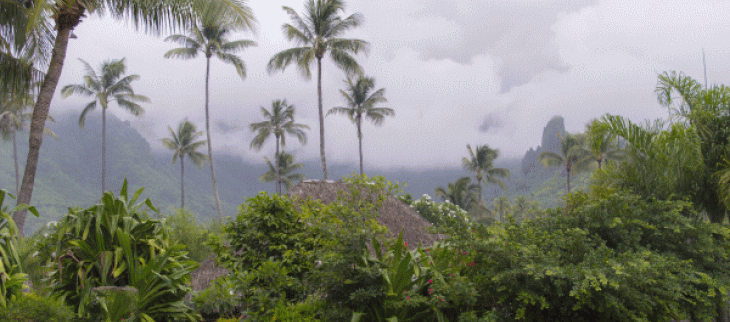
446 217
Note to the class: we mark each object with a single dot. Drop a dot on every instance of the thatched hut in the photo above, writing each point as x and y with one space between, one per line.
393 214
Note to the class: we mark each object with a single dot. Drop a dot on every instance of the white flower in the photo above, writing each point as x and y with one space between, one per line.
34 254
53 254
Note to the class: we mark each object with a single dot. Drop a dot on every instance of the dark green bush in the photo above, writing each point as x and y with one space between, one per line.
606 257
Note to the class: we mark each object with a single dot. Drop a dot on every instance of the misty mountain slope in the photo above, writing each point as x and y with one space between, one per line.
70 168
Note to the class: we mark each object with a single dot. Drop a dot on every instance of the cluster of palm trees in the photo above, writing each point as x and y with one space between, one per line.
315 35
580 151
34 35
480 162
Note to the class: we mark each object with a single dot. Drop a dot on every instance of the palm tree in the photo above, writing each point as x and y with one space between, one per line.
573 155
13 118
25 44
481 163
184 144
108 85
155 17
316 34
602 146
211 38
285 169
462 193
279 121
360 104
502 207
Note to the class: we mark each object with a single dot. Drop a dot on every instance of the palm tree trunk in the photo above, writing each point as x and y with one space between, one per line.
321 117
210 147
277 158
599 163
15 160
182 182
359 139
103 150
568 181
479 182
38 121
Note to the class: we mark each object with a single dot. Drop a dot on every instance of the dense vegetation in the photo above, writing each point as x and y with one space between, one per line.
644 236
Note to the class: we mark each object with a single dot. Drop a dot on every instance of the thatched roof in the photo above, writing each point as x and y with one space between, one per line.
393 214
208 271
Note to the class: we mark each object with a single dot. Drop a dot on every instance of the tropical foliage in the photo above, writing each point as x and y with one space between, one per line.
462 193
115 244
645 240
11 270
316 34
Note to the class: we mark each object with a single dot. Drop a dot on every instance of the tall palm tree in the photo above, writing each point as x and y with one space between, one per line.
361 103
279 121
108 85
155 17
602 146
573 155
317 33
285 168
462 193
211 38
481 163
184 144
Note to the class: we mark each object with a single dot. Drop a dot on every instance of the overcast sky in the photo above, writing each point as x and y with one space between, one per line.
456 72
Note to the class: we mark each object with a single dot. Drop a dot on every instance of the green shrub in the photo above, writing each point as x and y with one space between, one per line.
114 243
271 251
11 270
34 308
605 257
218 300
185 230
305 311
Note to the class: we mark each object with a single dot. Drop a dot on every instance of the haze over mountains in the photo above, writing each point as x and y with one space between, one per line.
70 168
